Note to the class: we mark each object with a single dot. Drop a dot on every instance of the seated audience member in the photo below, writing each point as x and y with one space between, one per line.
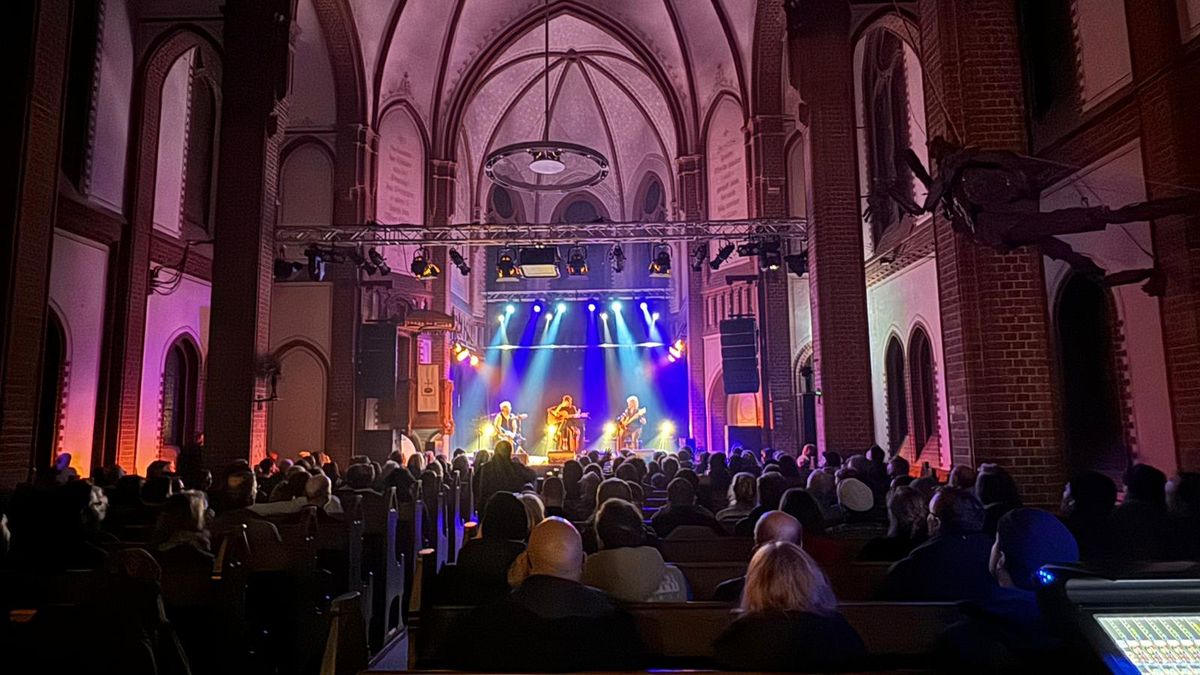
772 526
625 567
771 486
360 477
743 496
292 486
503 474
1183 509
181 540
553 496
831 461
907 514
576 628
1087 503
535 511
998 492
483 562
823 488
589 485
714 484
1138 529
896 467
827 551
1006 631
681 509
262 535
926 485
953 564
317 493
856 508
789 619
962 477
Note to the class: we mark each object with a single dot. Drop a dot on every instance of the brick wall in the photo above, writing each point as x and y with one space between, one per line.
690 206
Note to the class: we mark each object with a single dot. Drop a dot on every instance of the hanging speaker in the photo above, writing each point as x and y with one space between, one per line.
739 356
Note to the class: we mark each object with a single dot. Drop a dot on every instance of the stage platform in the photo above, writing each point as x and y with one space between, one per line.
542 466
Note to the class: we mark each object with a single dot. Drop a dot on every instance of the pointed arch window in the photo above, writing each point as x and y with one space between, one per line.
924 392
885 92
897 405
180 387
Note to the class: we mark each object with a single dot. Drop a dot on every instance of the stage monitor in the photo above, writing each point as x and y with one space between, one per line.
1155 643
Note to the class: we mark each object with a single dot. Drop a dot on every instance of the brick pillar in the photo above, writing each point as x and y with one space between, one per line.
997 356
444 175
690 206
838 295
1168 105
253 116
41 32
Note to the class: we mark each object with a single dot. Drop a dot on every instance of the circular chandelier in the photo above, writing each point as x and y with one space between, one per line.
529 165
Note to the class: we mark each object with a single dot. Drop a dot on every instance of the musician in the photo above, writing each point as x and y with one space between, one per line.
630 424
506 423
565 418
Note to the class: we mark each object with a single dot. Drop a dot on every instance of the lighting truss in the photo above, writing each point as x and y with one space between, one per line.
482 234
551 297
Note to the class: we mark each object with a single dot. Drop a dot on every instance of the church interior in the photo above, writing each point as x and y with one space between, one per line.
348 336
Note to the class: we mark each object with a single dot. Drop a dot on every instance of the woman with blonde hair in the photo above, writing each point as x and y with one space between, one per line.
789 619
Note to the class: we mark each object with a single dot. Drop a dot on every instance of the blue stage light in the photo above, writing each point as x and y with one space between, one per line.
562 307
616 305
604 315
537 307
644 306
655 316
510 309
591 306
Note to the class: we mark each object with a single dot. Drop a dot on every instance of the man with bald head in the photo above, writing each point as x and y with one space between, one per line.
771 526
550 621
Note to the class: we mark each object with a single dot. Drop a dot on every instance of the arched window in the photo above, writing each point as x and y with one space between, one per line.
885 114
81 76
1091 401
924 393
1048 37
198 168
180 384
897 405
54 361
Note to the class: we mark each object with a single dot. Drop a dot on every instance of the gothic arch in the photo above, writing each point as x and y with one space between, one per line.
895 385
923 390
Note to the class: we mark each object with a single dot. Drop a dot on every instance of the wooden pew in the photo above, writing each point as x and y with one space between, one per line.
857 581
346 640
434 498
687 544
382 566
704 577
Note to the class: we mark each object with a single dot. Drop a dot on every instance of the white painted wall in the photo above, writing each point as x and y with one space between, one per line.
114 94
172 145
1104 48
306 188
187 311
1117 180
301 325
302 311
897 306
77 277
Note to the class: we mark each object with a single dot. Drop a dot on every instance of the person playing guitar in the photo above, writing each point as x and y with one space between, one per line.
565 417
630 424
508 425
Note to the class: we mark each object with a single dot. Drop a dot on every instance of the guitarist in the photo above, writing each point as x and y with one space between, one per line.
565 417
630 424
507 424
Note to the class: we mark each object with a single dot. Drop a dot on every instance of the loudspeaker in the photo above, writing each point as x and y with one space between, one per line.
377 360
739 356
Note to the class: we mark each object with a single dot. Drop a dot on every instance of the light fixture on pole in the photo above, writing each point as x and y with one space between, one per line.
506 266
459 262
660 263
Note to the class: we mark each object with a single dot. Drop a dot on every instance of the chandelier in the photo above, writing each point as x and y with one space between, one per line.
531 165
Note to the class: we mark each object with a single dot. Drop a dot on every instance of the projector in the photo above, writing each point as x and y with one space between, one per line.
539 263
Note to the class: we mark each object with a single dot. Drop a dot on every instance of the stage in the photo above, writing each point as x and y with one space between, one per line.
542 466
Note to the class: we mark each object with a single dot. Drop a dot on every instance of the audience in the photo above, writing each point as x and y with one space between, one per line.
575 627
743 497
681 509
770 489
789 619
483 563
772 526
625 567
1087 503
907 515
503 474
998 493
1139 528
953 563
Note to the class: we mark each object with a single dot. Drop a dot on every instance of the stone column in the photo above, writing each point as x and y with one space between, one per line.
689 198
997 357
257 52
820 51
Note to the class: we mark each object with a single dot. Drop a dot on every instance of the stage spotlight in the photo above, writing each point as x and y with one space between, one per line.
617 258
677 348
501 318
506 266
378 261
644 306
660 264
591 307
615 305
562 307
604 315
666 428
461 352
459 262
610 428
577 262
769 255
316 263
486 430
551 429
286 269
537 308
510 309
699 257
671 359
655 316
422 267
797 263
474 361
722 255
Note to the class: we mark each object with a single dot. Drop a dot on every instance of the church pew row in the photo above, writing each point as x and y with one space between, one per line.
897 635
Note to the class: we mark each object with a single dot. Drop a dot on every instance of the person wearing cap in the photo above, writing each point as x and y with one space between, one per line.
1006 631
855 509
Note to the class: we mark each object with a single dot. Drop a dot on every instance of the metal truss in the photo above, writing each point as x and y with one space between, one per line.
483 234
552 296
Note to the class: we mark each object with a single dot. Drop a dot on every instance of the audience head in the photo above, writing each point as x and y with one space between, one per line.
681 492
801 505
627 472
535 511
1145 484
359 476
994 485
182 514
962 477
1183 494
926 485
954 511
743 490
482 457
157 490
156 469
898 466
832 460
416 464
788 468
821 487
318 489
876 455
670 466
619 525
553 491
1026 540
555 549
690 476
783 578
505 518
613 488
854 496
777 526
503 449
859 464
771 486
241 489
907 512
